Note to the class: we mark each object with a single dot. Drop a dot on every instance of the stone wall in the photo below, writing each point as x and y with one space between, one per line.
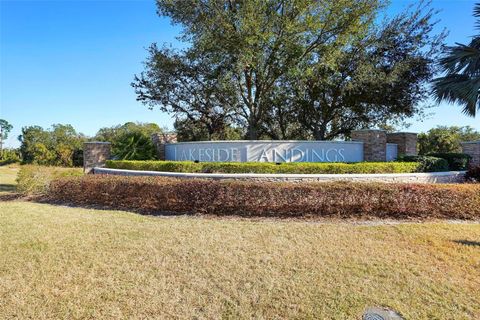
95 154
473 150
406 141
374 144
434 177
159 140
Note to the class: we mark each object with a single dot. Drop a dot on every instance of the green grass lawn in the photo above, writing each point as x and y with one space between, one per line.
60 262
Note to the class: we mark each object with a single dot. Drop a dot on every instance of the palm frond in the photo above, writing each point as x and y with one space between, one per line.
461 68
476 14
462 58
458 89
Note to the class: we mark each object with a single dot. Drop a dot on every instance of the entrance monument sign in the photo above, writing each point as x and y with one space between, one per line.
265 151
366 145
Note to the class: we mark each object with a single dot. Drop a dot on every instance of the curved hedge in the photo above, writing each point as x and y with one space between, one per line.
427 163
264 167
196 196
456 161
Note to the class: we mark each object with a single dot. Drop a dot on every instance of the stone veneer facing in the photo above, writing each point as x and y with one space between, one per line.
406 141
374 144
473 150
95 154
159 140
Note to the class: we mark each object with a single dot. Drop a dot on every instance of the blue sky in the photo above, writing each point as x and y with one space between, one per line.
73 61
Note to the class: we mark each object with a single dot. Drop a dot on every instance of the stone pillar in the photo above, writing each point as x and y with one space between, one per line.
473 150
159 140
406 141
374 144
95 154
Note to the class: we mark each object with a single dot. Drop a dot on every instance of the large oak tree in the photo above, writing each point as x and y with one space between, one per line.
288 69
377 79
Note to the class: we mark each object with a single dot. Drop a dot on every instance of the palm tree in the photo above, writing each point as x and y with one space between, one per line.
461 68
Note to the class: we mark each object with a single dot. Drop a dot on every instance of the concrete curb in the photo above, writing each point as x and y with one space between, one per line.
433 177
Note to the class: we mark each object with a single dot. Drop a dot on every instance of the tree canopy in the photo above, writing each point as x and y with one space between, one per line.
443 139
290 69
60 145
5 128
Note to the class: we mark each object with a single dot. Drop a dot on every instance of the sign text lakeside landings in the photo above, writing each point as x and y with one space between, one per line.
260 151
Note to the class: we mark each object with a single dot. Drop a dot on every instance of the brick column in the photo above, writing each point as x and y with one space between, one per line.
159 140
406 141
374 144
95 154
473 150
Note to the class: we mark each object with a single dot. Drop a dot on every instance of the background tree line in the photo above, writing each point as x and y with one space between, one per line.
301 69
62 145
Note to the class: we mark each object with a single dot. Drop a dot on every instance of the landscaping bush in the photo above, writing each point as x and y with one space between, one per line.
33 179
473 174
195 196
264 167
456 161
130 141
8 156
427 163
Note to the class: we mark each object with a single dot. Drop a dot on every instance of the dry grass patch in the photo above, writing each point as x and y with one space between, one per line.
35 179
8 174
60 262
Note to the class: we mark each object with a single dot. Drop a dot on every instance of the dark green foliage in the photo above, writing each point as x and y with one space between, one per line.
426 163
290 69
270 199
130 141
59 146
377 79
456 161
78 157
461 67
473 174
443 139
262 167
135 145
193 130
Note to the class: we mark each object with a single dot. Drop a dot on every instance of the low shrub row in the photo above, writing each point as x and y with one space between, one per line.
33 179
264 167
159 194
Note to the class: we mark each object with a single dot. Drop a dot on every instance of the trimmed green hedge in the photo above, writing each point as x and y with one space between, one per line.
427 164
456 161
263 167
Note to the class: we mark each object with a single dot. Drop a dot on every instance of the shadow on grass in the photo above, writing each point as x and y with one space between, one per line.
46 200
10 196
468 243
7 187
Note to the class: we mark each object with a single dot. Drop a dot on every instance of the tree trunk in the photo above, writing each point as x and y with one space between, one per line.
252 130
